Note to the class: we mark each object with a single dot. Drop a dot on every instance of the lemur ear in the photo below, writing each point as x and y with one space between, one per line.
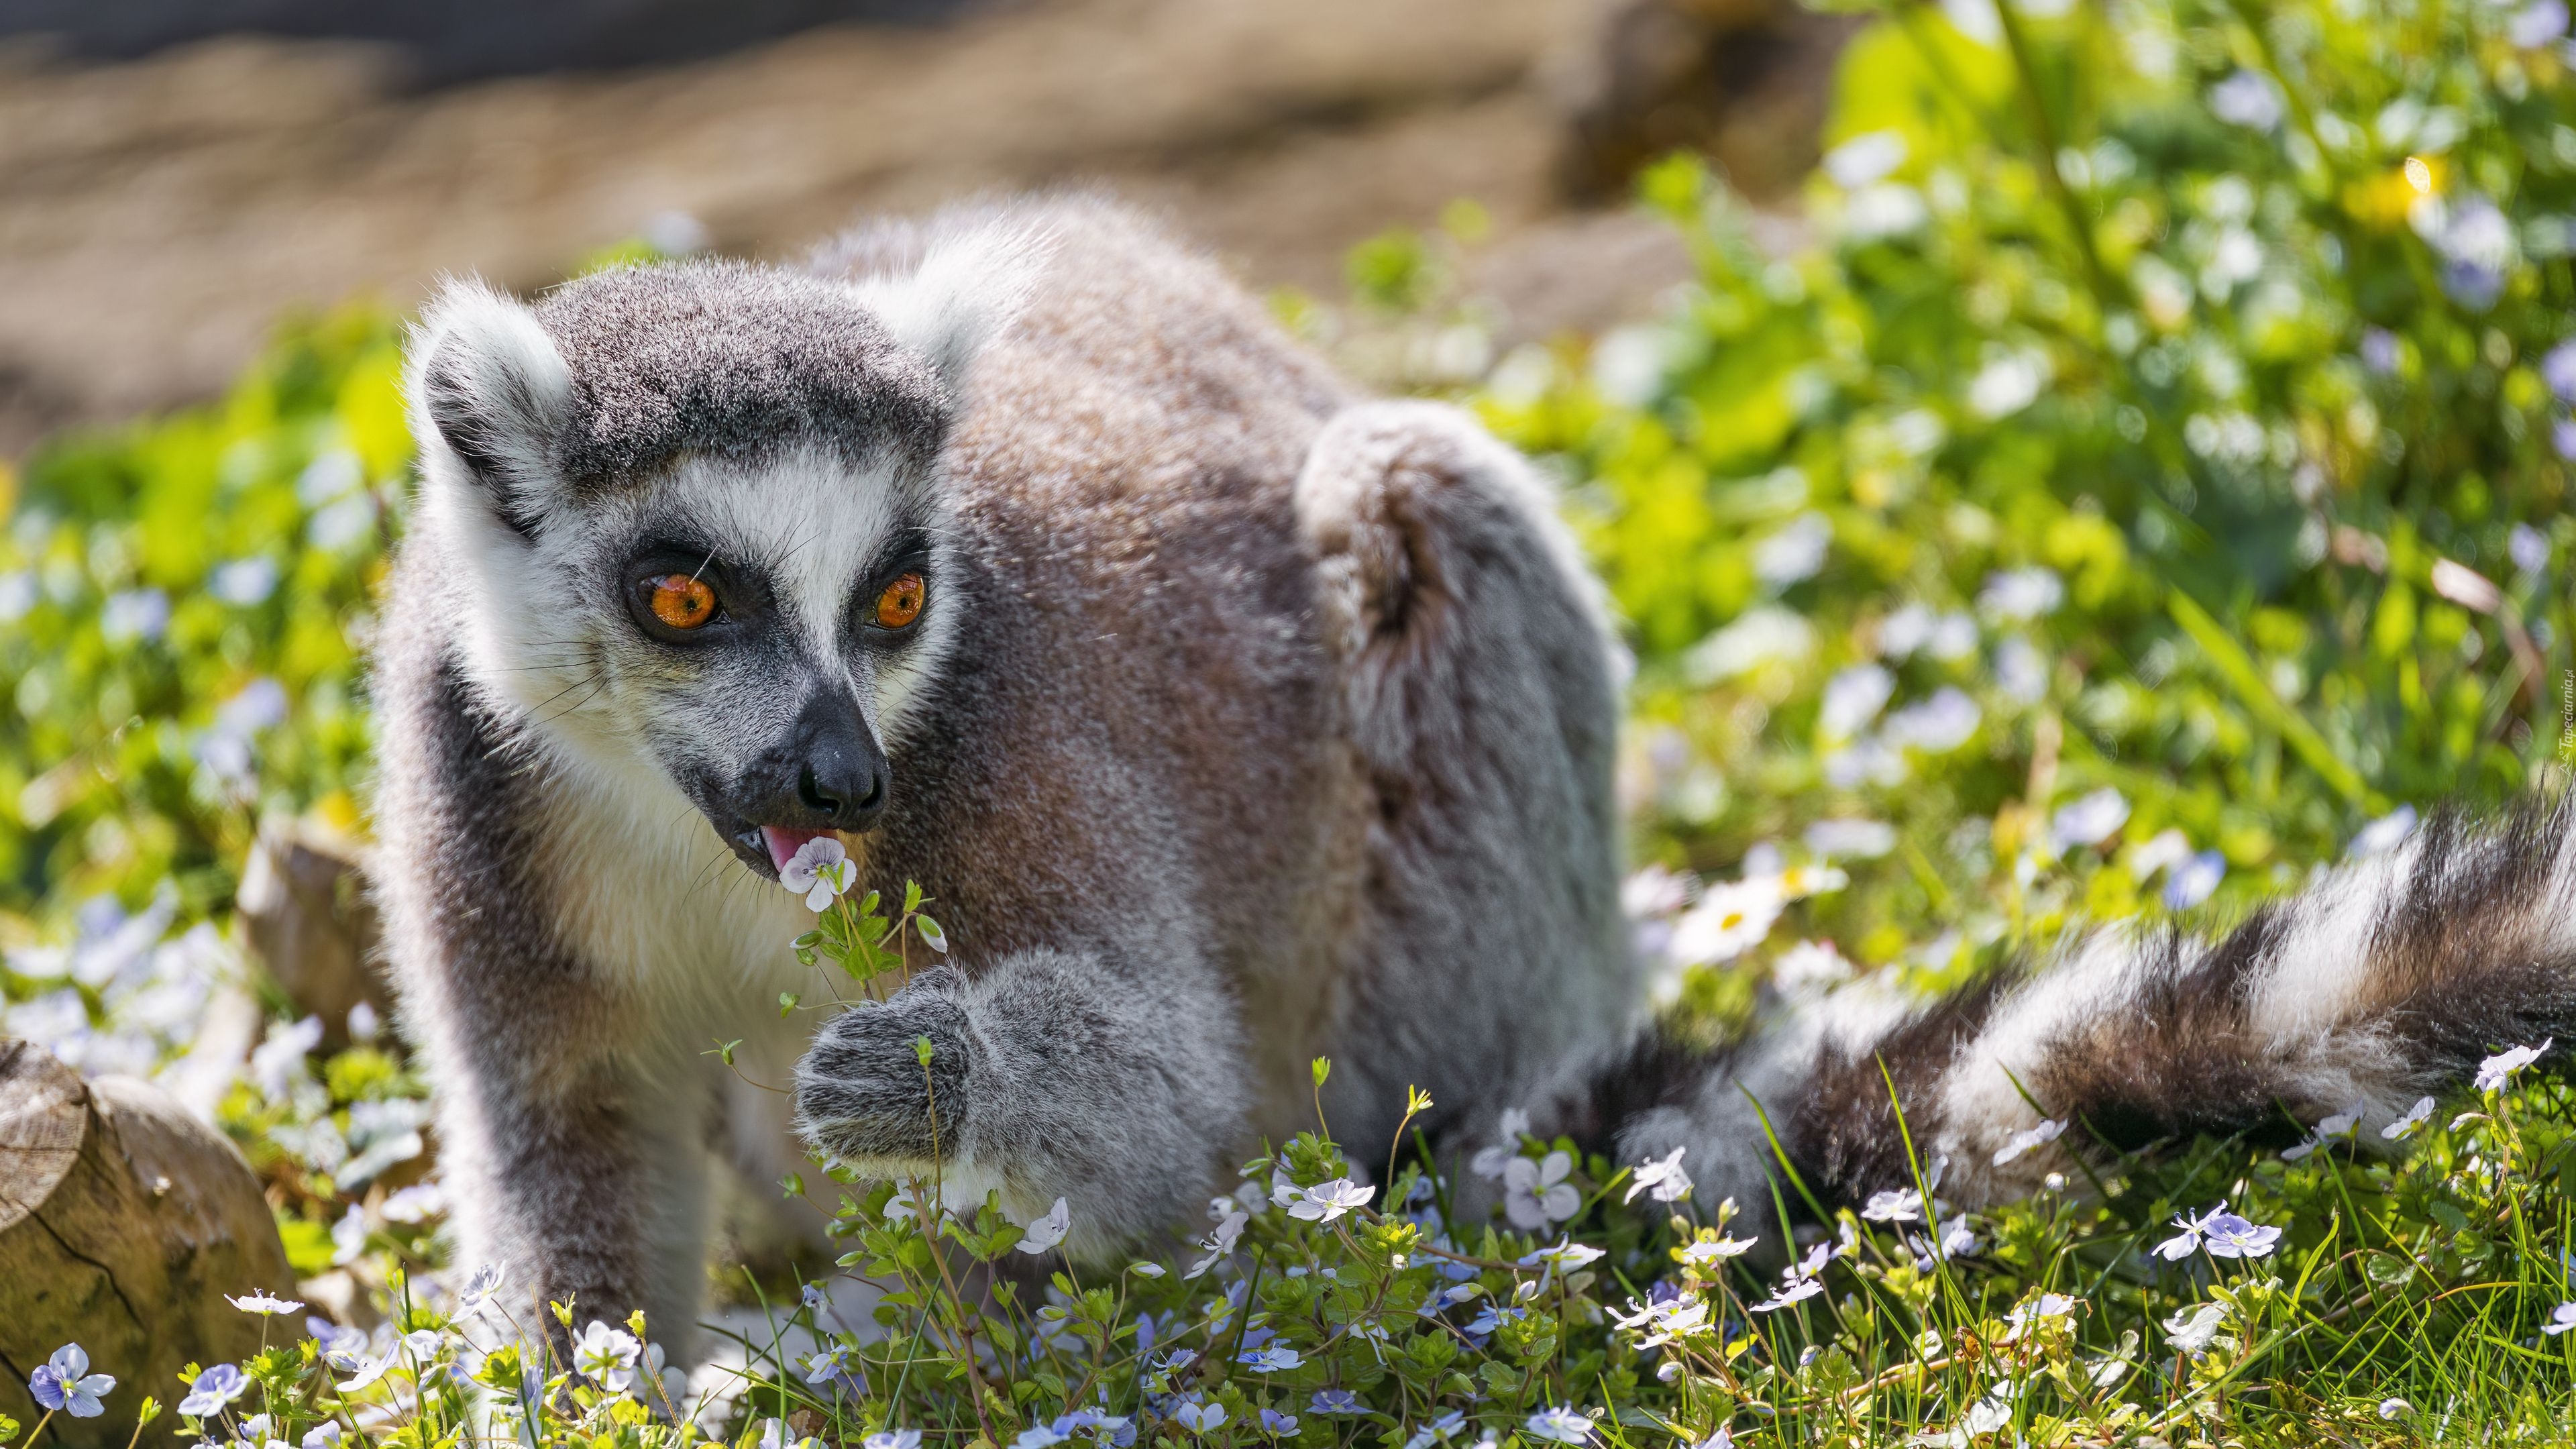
487 385
969 285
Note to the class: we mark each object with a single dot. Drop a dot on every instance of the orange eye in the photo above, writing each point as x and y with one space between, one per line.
683 602
901 602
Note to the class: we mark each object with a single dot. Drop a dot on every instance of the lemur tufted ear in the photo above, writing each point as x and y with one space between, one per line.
487 393
970 283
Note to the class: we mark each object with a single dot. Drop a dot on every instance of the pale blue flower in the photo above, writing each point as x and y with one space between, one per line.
1559 1426
2247 98
1200 1418
2193 879
1278 1423
2496 1070
244 582
2230 1236
1275 1359
1326 1201
215 1387
1042 1236
1334 1401
2537 24
64 1382
135 616
2561 1319
2016 595
2415 1117
2090 820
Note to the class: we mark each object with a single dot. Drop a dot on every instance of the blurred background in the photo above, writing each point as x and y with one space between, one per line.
175 176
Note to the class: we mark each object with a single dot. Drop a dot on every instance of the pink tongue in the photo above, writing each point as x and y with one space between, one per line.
784 841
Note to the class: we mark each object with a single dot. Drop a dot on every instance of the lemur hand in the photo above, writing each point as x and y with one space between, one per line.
863 1092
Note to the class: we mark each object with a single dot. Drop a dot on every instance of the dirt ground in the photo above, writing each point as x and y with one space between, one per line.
158 215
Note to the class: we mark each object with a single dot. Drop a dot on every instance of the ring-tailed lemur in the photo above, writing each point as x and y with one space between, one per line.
1233 719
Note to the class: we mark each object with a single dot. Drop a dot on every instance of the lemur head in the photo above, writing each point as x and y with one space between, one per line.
694 514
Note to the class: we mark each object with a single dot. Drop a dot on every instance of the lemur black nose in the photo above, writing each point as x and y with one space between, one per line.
824 772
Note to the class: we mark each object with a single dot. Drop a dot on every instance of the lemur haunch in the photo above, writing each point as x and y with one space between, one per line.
1232 718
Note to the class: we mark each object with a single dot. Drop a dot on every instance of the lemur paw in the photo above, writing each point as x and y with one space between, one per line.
863 1093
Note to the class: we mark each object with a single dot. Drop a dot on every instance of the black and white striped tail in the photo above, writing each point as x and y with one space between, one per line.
2385 980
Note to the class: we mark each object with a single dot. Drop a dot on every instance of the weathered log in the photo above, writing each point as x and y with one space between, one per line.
305 915
123 1223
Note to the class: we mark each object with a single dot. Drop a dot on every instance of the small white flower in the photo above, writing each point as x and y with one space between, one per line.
2561 1319
2018 595
325 1435
1663 1177
1853 698
1865 839
1727 921
1146 1270
606 1356
1865 158
2090 820
367 1374
1788 1293
1559 1426
2385 833
1986 1416
1565 1257
1326 1201
2182 1245
2010 380
1219 1243
2496 1070
892 1439
2040 1309
2030 1141
1489 1162
1707 1251
2191 1330
1042 1235
931 935
1536 1194
820 871
1895 1205
2339 1124
2393 1408
1200 1418
1665 1322
1810 966
1796 552
1936 726
2415 1117
260 1303
2247 98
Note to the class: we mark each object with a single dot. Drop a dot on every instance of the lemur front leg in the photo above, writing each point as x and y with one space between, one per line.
1051 1074
574 1140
